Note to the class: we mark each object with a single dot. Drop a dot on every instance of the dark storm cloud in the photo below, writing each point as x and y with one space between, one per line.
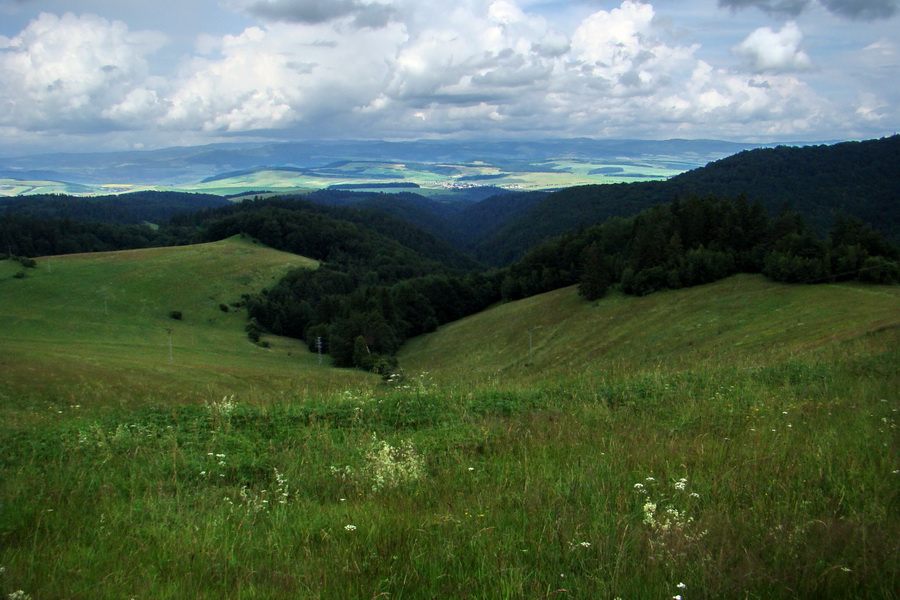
312 12
851 9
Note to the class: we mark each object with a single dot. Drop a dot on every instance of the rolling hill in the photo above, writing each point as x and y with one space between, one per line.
743 322
819 182
97 326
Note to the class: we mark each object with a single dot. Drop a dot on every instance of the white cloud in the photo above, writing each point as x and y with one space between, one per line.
435 67
63 72
623 52
278 77
775 51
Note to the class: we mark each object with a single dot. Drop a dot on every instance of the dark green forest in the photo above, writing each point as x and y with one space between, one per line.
397 265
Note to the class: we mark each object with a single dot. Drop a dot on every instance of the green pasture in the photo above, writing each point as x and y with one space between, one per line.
745 321
96 328
736 440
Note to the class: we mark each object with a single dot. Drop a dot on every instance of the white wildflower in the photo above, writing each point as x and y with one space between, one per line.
350 527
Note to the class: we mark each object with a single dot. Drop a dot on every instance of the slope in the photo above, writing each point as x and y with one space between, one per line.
98 326
745 321
819 182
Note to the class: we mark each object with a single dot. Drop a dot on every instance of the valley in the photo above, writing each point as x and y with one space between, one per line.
647 391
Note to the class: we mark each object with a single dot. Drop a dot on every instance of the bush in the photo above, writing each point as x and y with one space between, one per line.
877 269
176 314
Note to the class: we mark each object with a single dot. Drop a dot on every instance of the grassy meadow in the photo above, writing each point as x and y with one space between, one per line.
96 330
736 440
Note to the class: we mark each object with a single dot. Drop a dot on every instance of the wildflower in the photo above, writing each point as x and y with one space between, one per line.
585 544
471 468
676 597
638 486
390 466
651 479
695 495
350 527
681 586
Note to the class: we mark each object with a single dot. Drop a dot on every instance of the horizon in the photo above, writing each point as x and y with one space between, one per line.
115 76
442 140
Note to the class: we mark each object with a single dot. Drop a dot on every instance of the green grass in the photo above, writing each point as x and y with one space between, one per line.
765 415
95 329
744 321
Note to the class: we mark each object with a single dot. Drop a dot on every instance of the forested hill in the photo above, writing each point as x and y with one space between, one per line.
132 208
819 182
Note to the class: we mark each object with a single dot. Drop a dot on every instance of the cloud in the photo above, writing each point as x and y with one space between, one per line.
66 71
775 51
280 77
466 68
362 14
851 9
623 50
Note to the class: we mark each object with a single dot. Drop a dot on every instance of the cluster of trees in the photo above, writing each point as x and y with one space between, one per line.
697 240
35 236
132 208
361 324
49 224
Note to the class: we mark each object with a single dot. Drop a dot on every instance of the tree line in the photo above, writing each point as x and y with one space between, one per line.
701 239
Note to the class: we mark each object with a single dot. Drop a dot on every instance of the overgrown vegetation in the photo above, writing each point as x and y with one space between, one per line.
779 482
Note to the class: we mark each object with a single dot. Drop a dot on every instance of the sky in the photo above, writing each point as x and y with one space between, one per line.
89 75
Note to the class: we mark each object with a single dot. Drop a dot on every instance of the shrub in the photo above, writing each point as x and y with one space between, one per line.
176 314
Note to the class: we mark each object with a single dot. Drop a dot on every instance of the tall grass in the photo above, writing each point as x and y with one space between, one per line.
732 441
776 482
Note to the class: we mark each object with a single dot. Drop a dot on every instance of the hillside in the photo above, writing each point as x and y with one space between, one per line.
819 182
97 326
743 322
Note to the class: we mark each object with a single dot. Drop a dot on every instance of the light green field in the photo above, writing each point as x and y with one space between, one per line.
554 174
432 178
743 322
89 328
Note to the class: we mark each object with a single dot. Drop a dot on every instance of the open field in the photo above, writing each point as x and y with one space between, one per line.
549 174
95 328
431 177
745 322
736 440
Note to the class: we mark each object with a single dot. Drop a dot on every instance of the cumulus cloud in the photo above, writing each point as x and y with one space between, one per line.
473 68
775 51
66 71
277 77
851 9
